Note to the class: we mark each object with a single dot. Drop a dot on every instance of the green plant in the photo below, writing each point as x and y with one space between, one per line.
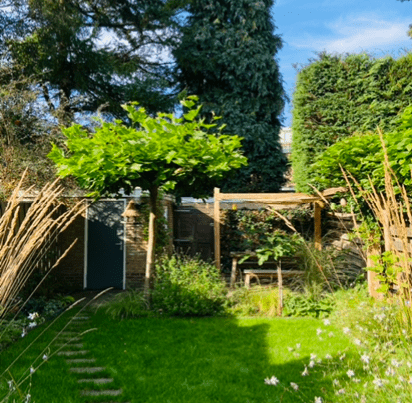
277 245
131 304
186 286
163 152
256 301
308 305
221 44
339 95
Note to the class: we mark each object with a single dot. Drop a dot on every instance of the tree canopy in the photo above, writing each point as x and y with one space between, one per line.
164 152
227 57
88 53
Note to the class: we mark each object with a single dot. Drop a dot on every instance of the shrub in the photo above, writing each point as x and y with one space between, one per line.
256 301
187 286
308 305
131 304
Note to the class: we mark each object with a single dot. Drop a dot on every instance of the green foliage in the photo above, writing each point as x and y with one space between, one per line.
362 157
186 286
58 42
277 245
387 266
337 96
308 305
161 151
227 57
256 301
131 304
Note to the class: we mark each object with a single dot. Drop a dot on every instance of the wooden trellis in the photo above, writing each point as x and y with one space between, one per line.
275 200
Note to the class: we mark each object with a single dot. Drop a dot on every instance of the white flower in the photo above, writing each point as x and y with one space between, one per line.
341 392
272 381
365 359
11 385
32 370
390 372
336 382
346 330
23 333
33 315
357 342
32 324
311 364
326 322
313 356
319 331
356 380
305 372
318 399
395 363
377 382
342 357
45 357
328 356
298 345
290 349
294 385
350 373
28 398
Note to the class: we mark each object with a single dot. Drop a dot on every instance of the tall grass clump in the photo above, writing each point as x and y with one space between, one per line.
23 245
188 286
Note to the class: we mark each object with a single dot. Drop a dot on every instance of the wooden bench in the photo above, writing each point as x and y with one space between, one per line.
260 272
255 273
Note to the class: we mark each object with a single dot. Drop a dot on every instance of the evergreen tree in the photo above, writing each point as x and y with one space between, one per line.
87 53
227 57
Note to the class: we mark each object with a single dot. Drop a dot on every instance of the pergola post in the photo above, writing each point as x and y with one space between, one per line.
216 218
318 228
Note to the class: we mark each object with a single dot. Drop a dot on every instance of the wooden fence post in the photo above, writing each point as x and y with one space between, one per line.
318 229
373 282
216 217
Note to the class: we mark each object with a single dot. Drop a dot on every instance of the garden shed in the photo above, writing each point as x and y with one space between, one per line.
111 247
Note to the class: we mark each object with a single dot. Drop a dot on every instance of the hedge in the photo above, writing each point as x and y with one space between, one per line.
337 96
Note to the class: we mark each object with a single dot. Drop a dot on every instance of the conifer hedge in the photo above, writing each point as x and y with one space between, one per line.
337 96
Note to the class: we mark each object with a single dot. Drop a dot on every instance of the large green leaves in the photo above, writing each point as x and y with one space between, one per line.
161 151
362 156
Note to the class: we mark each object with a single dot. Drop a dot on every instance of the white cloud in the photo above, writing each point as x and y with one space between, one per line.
358 33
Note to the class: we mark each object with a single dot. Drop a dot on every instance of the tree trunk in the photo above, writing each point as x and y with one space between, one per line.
151 243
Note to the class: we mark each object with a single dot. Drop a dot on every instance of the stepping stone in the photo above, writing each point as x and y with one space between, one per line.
78 345
87 370
69 353
101 392
98 381
81 360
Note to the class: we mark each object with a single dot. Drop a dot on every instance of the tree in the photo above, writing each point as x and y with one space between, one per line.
161 152
88 53
227 57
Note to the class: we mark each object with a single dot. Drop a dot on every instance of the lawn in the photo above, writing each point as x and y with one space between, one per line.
217 359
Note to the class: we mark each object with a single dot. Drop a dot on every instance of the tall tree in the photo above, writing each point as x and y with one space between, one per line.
161 152
227 57
92 52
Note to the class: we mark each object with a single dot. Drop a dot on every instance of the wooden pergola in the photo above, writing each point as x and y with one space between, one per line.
276 201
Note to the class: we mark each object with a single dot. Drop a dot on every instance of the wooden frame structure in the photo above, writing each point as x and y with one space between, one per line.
275 200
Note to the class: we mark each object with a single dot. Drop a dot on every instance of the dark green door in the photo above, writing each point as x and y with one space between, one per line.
105 245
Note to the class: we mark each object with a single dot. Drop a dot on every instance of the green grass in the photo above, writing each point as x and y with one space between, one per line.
191 360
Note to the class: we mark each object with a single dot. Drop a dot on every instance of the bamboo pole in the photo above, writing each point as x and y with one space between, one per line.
216 217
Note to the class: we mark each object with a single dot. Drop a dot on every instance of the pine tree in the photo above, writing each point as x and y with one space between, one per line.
227 58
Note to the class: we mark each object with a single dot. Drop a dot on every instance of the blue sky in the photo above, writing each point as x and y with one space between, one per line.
377 27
